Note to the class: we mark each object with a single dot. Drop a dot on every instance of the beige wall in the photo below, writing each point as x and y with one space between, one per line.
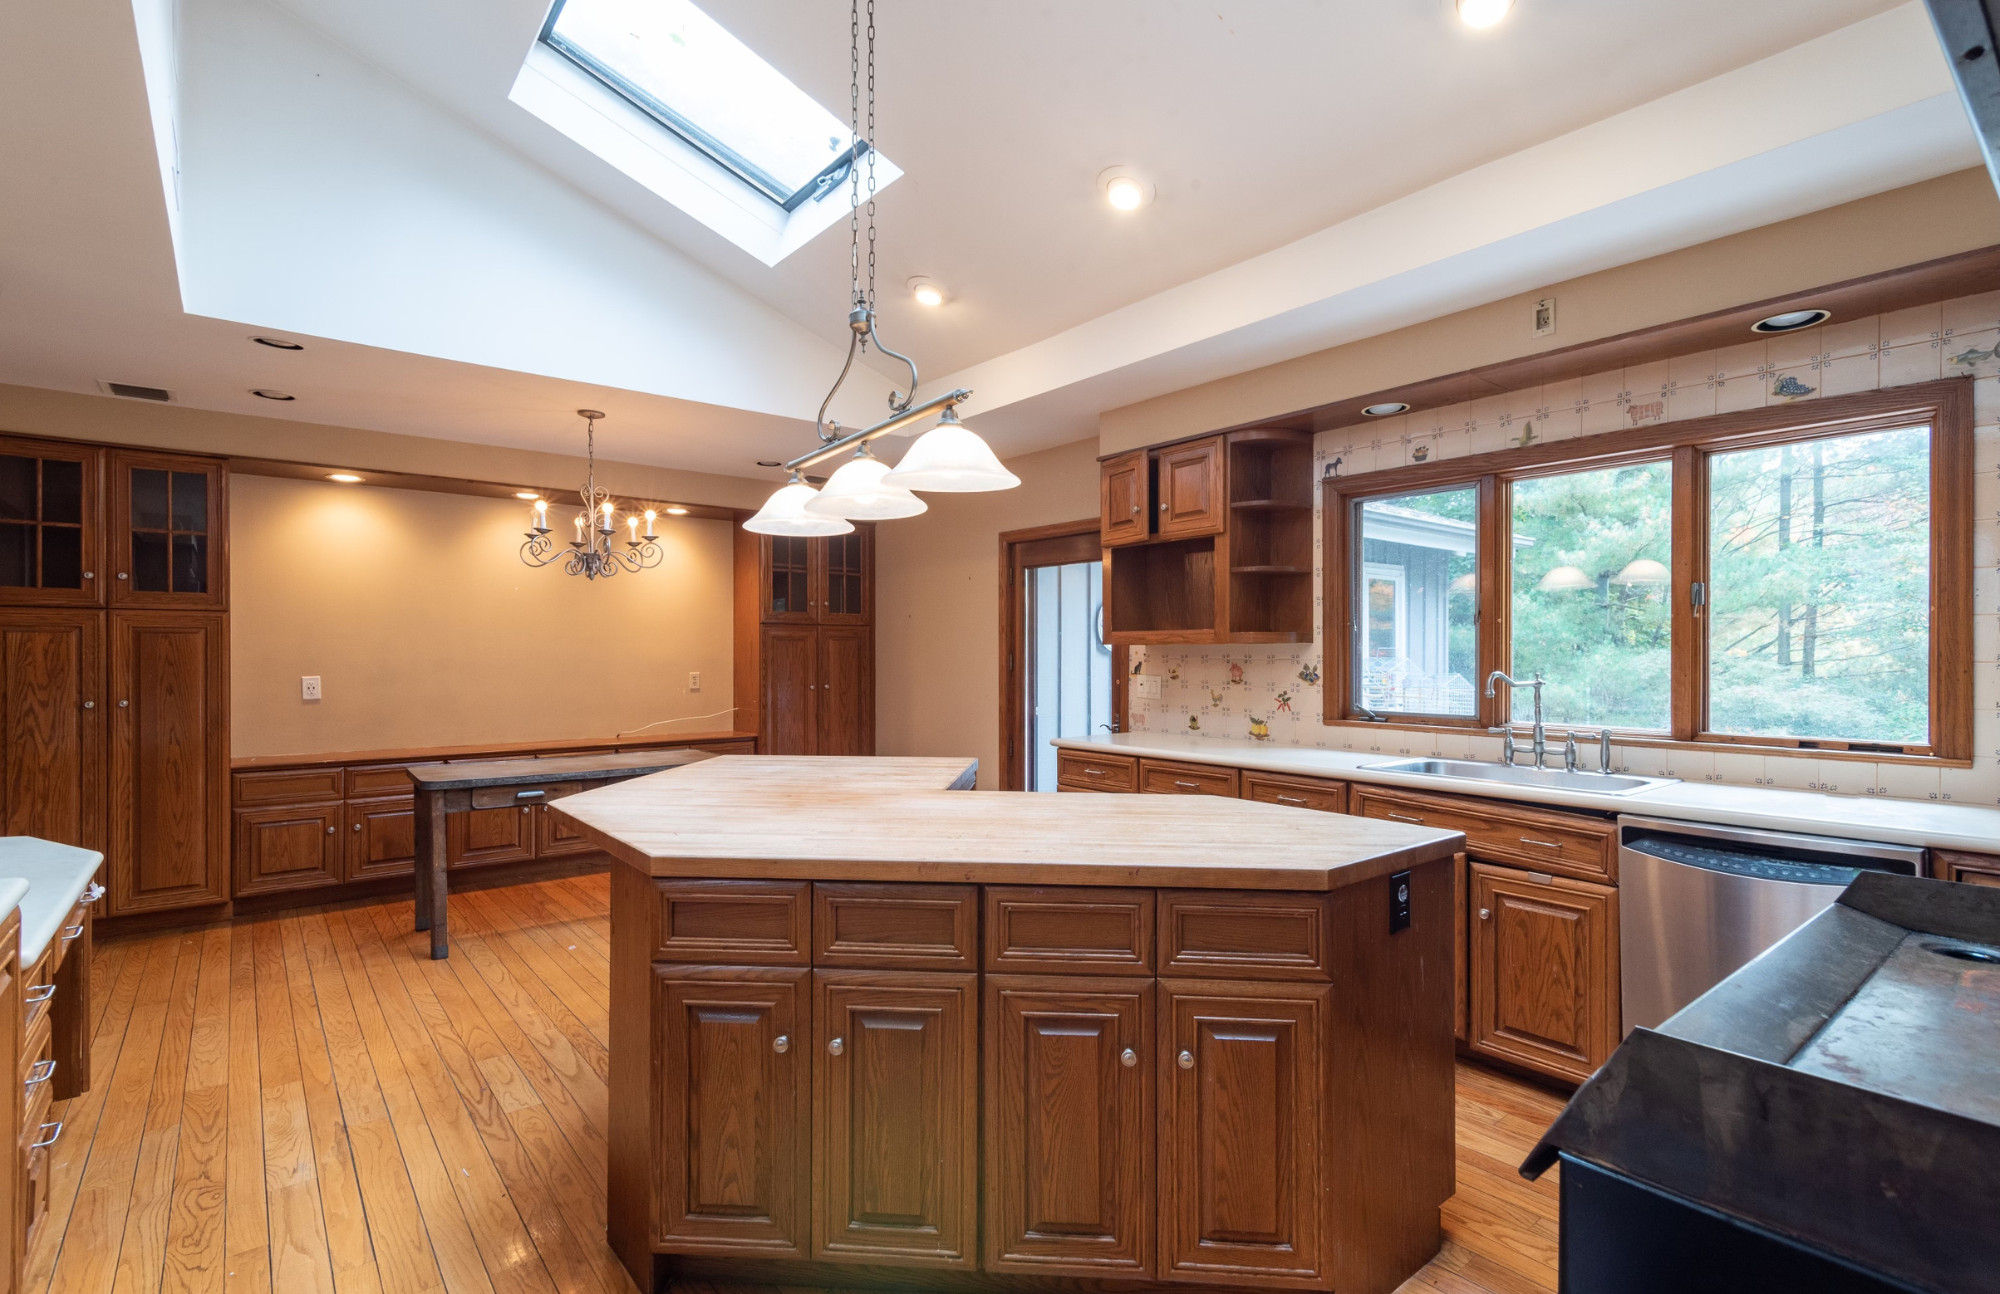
426 629
937 682
1940 217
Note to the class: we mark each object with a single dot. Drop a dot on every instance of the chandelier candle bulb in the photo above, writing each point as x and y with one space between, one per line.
650 516
541 516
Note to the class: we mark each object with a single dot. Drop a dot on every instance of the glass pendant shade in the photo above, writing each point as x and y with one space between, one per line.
1643 571
856 492
1564 578
784 513
951 458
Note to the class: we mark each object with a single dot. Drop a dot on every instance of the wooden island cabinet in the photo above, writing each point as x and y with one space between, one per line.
1040 1038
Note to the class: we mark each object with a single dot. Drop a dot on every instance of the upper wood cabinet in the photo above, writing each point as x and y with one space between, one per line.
1069 1125
1544 970
168 709
1241 1153
51 534
896 1117
1192 499
169 546
1124 502
52 725
826 580
805 642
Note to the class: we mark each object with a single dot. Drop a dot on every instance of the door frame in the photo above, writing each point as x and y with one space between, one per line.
1014 546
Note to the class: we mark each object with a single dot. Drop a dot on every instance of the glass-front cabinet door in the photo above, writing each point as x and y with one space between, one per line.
168 548
844 582
787 575
49 530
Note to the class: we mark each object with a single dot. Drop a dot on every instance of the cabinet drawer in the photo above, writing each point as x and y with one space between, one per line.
1048 930
1158 777
1229 934
742 923
379 781
1096 772
1540 841
501 797
288 786
932 927
1297 792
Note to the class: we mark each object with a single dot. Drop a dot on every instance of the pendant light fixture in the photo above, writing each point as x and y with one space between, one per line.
948 457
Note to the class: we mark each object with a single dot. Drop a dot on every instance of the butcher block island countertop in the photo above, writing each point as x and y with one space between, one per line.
870 1028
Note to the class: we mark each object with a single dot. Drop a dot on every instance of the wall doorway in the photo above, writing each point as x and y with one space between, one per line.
1058 677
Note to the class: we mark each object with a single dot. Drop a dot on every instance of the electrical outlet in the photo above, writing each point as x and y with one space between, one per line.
1146 687
694 680
308 687
1399 902
1545 317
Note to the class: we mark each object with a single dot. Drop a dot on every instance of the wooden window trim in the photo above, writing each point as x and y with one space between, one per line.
1945 405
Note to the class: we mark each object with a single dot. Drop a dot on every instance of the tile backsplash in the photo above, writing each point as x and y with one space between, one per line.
1274 694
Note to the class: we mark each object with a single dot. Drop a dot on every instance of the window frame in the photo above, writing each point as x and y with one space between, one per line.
1946 406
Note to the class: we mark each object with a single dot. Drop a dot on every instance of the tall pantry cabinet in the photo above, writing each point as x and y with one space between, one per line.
805 642
114 664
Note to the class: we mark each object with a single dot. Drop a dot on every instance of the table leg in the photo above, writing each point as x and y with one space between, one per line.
432 878
421 822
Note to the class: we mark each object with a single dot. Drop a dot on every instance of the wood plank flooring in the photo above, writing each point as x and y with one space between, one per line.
305 1102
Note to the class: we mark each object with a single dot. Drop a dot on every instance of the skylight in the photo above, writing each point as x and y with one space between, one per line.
678 65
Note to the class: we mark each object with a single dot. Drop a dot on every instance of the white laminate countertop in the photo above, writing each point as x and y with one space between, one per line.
45 880
1898 822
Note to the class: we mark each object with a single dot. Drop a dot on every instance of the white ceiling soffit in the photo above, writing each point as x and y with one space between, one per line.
1856 112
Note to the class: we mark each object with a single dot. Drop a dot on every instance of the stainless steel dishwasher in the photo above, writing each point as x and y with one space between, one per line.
1696 902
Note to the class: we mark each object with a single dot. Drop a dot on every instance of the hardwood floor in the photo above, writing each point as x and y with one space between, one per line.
305 1102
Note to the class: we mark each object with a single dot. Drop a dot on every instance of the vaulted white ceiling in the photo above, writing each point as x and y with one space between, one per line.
352 172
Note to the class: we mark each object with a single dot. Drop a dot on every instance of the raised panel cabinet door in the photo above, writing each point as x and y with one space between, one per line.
52 725
381 838
896 1117
1069 1125
790 687
1544 970
169 536
1192 500
1242 1080
733 1108
844 577
555 837
481 836
287 848
168 709
846 701
1122 499
785 573
51 524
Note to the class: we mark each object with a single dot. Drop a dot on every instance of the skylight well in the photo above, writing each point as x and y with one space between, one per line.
664 93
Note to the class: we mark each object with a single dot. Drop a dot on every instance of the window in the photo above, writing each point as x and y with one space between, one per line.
679 66
1765 578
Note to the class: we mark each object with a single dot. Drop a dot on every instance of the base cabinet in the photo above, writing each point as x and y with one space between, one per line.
1544 962
1069 1125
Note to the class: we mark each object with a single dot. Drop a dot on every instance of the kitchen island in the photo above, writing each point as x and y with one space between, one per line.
863 1020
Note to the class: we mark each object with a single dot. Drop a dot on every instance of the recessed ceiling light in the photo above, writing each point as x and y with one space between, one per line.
926 292
769 462
676 510
277 343
1384 410
529 495
1483 13
1124 190
345 478
263 394
1792 320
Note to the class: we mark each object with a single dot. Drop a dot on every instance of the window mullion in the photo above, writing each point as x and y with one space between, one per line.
1494 593
1689 672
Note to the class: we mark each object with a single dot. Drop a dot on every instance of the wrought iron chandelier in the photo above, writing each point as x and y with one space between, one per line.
950 457
595 551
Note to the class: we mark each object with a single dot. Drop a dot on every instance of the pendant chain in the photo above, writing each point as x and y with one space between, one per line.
854 118
871 154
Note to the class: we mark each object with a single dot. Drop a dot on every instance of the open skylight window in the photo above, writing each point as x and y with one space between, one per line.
661 91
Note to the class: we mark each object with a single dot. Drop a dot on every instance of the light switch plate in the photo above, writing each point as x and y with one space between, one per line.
308 687
1146 687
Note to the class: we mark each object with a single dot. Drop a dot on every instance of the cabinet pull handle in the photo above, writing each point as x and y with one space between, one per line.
1404 817
50 1140
1093 772
1128 1058
39 993
40 1073
1485 914
1187 786
835 1046
72 932
90 705
1290 799
781 1044
529 795
1185 1060
1545 844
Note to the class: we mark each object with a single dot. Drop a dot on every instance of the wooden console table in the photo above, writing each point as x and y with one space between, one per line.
500 783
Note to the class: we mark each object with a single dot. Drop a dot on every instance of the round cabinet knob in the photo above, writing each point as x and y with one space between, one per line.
1135 509
1128 1058
90 705
835 1046
329 831
123 704
781 1044
121 575
1163 508
1186 1060
90 575
357 826
1485 914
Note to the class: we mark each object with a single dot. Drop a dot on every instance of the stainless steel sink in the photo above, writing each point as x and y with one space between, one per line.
1553 778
